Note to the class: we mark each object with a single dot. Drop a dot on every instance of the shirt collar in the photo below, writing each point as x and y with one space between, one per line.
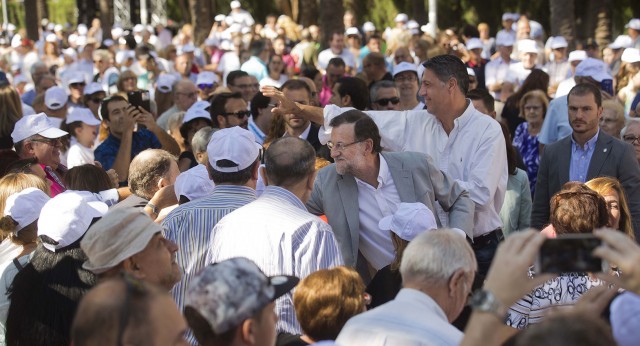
384 175
590 144
463 119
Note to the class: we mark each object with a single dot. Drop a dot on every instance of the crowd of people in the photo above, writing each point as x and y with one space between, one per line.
255 189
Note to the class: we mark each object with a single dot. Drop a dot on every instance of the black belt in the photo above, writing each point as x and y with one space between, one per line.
486 239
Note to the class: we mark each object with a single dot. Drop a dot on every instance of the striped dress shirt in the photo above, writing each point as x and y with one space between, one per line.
191 225
282 238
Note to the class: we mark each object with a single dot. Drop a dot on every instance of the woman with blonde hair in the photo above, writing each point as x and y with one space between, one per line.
325 300
127 81
613 193
10 113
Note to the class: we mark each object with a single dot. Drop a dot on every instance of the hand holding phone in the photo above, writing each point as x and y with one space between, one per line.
569 253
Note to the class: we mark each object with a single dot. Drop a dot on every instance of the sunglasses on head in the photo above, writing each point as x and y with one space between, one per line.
239 115
384 102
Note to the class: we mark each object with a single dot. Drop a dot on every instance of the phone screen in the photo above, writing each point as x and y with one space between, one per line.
569 253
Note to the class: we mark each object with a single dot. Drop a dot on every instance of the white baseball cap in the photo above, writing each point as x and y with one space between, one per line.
368 27
24 207
75 77
622 41
55 98
504 39
559 42
590 67
527 46
507 16
66 217
207 77
471 72
404 67
474 43
634 24
82 114
220 18
51 38
412 24
401 17
212 42
409 220
235 4
352 31
138 28
194 183
234 144
577 55
165 83
92 88
630 55
35 124
197 110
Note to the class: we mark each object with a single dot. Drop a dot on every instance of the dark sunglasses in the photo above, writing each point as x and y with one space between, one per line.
384 102
239 115
205 86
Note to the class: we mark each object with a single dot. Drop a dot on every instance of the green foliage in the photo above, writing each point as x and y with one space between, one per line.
381 13
63 11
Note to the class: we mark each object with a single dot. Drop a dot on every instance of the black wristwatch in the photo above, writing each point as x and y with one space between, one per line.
153 208
484 301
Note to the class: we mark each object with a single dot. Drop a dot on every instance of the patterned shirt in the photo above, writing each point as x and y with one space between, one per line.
528 146
143 139
191 227
282 238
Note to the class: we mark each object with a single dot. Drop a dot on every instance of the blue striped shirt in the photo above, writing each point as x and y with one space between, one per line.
282 238
191 225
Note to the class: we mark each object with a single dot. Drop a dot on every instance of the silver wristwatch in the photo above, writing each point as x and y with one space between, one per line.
484 301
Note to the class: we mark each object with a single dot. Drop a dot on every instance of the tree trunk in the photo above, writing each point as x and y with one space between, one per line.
331 14
419 11
43 9
563 21
106 17
308 12
603 24
186 11
202 13
32 22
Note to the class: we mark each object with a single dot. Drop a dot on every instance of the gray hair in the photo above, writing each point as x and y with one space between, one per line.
383 84
175 120
630 121
201 139
432 257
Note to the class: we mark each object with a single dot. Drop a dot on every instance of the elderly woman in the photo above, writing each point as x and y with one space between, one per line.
533 107
612 120
613 193
575 209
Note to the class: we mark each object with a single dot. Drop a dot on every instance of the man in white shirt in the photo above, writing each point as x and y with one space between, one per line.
437 270
518 72
276 231
336 49
464 143
497 70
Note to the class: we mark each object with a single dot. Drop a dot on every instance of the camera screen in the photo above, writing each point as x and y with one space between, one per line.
569 254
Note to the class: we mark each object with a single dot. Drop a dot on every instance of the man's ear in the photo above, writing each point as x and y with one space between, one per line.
311 179
247 332
263 174
129 266
346 101
222 121
458 278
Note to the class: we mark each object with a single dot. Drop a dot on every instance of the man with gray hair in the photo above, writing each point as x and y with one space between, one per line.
185 94
384 96
276 231
437 268
631 134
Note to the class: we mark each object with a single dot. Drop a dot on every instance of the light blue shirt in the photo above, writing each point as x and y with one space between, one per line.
580 158
255 67
556 122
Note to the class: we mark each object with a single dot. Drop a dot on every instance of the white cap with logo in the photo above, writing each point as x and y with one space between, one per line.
35 124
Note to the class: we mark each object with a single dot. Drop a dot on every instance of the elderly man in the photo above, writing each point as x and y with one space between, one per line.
631 135
437 268
375 68
127 240
465 143
217 292
405 75
384 96
497 70
365 185
124 143
35 136
151 316
185 94
585 154
233 160
285 238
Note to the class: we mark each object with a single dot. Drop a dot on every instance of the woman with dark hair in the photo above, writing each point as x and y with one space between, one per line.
46 292
89 178
537 80
10 113
516 208
276 77
576 209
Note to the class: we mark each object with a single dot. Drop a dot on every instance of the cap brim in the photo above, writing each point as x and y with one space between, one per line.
98 208
53 133
283 284
385 223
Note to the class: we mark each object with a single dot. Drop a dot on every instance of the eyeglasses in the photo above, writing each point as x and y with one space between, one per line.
133 288
342 146
384 102
409 78
239 115
189 95
532 108
206 86
632 140
56 143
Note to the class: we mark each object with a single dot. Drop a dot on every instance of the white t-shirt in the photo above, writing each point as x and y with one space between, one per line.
79 155
327 54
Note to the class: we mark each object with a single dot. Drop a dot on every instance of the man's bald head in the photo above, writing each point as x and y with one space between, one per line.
151 170
288 161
